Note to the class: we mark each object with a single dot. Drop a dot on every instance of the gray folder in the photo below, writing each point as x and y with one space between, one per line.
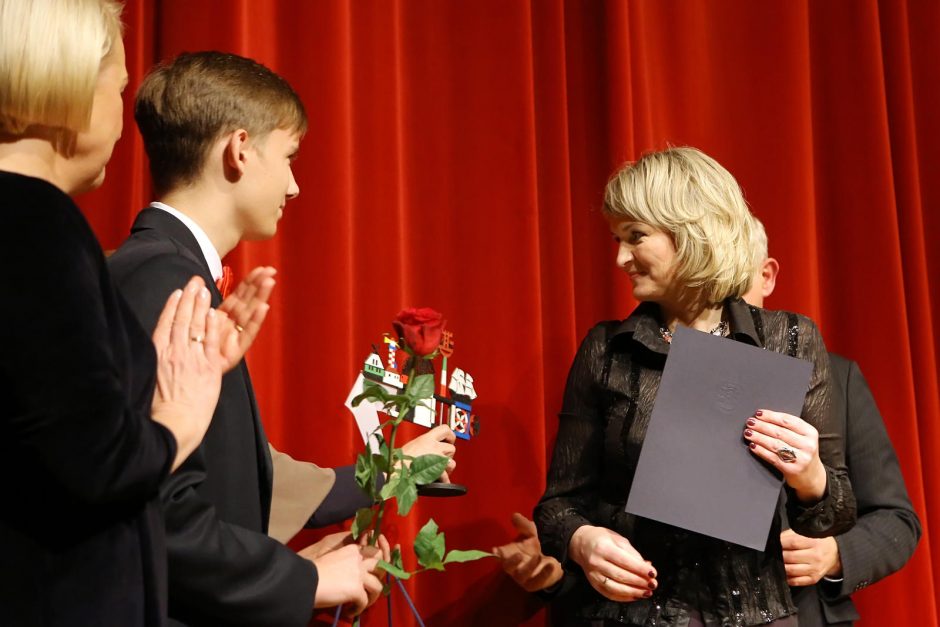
695 470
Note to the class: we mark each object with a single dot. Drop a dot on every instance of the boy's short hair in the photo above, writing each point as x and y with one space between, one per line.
183 106
50 58
687 194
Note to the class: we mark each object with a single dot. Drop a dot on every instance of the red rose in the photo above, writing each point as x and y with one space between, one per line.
419 329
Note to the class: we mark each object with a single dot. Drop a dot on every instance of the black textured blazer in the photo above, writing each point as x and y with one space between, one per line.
606 409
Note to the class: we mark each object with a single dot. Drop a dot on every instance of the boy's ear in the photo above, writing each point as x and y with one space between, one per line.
233 153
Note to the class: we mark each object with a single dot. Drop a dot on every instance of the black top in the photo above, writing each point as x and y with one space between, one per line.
224 569
81 534
607 405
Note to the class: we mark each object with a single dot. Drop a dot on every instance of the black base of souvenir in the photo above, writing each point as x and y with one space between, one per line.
438 488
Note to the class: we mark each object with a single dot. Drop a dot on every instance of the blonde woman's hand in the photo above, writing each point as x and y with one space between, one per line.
612 566
791 445
189 366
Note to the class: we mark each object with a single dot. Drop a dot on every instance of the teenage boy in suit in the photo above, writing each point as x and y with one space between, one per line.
221 132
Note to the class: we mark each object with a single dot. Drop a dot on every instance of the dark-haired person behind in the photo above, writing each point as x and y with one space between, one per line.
81 532
678 218
824 572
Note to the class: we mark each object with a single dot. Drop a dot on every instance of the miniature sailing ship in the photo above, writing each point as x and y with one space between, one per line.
452 405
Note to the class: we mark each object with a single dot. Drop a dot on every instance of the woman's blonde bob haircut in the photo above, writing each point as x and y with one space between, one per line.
687 194
50 56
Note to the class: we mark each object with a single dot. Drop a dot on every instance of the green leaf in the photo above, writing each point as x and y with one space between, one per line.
380 462
407 495
362 522
371 391
396 558
357 400
393 570
401 485
428 468
380 437
402 403
429 546
391 486
465 556
421 387
365 473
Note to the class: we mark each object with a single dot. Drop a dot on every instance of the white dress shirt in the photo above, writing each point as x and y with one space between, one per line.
208 250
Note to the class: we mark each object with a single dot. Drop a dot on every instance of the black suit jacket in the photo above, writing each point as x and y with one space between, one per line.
887 530
81 534
223 568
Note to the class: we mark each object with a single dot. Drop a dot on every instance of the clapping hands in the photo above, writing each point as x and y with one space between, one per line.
245 310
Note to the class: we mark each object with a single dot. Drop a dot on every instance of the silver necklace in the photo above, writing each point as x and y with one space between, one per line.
720 330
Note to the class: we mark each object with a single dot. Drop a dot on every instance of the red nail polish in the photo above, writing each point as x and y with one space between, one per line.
648 594
652 574
752 445
652 585
751 422
748 433
758 413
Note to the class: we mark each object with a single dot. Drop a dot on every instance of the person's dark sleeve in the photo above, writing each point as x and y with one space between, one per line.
342 501
574 474
223 574
888 530
69 422
219 573
558 589
835 512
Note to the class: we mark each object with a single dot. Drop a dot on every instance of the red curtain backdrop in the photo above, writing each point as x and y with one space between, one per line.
456 157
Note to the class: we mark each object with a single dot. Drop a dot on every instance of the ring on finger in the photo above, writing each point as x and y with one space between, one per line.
787 454
239 327
604 583
198 338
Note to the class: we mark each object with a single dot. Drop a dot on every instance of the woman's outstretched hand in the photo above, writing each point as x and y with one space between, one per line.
791 445
611 564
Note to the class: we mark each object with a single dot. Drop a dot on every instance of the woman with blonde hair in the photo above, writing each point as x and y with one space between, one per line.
679 220
96 414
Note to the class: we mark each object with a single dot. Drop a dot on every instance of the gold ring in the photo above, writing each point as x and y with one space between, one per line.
197 338
239 327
